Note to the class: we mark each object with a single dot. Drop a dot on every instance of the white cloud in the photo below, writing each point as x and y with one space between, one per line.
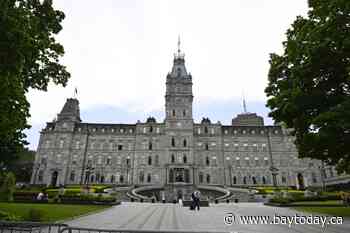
119 52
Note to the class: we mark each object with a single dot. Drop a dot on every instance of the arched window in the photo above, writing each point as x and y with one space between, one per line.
245 180
205 129
151 129
121 179
264 180
208 178
172 158
156 160
127 161
284 179
185 143
171 176
149 160
112 179
102 180
254 180
150 146
206 146
207 161
234 180
141 176
174 112
314 179
185 159
40 175
201 177
214 161
72 176
149 178
97 177
173 142
184 112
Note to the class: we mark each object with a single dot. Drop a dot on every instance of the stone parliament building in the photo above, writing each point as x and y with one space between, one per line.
175 151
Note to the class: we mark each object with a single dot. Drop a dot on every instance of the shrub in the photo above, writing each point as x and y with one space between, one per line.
8 217
281 200
55 192
35 215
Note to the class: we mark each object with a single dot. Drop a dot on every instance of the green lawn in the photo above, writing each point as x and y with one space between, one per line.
333 211
51 212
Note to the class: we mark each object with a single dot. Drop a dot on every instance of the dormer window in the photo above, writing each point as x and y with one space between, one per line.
178 72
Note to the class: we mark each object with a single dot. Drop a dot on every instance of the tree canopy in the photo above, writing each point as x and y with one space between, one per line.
29 58
309 84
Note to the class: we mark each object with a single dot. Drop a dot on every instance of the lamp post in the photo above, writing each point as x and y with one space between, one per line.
227 167
127 169
89 169
273 169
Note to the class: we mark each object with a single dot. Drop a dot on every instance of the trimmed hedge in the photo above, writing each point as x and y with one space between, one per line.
86 199
282 200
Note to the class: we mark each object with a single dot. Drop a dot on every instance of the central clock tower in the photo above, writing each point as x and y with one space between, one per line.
179 97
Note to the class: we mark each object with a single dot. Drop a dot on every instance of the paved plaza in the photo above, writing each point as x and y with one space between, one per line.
150 216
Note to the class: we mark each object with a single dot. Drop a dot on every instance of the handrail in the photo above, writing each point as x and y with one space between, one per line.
82 229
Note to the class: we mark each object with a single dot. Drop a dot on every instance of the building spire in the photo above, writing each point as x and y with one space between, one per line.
179 54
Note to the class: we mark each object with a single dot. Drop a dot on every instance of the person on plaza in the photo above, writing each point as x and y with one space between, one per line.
196 200
180 201
40 196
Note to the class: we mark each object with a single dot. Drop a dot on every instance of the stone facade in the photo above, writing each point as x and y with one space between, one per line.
175 151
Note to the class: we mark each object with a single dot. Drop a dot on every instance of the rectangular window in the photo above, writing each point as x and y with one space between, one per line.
120 147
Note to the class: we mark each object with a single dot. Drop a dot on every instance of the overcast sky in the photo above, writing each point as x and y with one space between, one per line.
119 52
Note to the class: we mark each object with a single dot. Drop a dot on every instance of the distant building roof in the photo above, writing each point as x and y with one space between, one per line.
248 119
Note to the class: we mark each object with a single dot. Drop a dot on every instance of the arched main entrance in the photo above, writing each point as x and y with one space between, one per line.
301 183
54 177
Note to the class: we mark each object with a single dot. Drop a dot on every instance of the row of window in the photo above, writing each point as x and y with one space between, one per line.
174 144
174 114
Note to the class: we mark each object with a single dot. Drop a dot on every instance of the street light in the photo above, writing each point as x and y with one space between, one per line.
273 169
89 169
229 167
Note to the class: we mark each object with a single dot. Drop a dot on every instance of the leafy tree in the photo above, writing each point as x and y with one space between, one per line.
309 84
8 187
22 167
29 58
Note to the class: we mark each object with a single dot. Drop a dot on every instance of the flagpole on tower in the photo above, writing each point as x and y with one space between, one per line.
244 103
75 95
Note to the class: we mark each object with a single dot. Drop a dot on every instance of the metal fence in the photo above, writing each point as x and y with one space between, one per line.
30 227
91 230
34 227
